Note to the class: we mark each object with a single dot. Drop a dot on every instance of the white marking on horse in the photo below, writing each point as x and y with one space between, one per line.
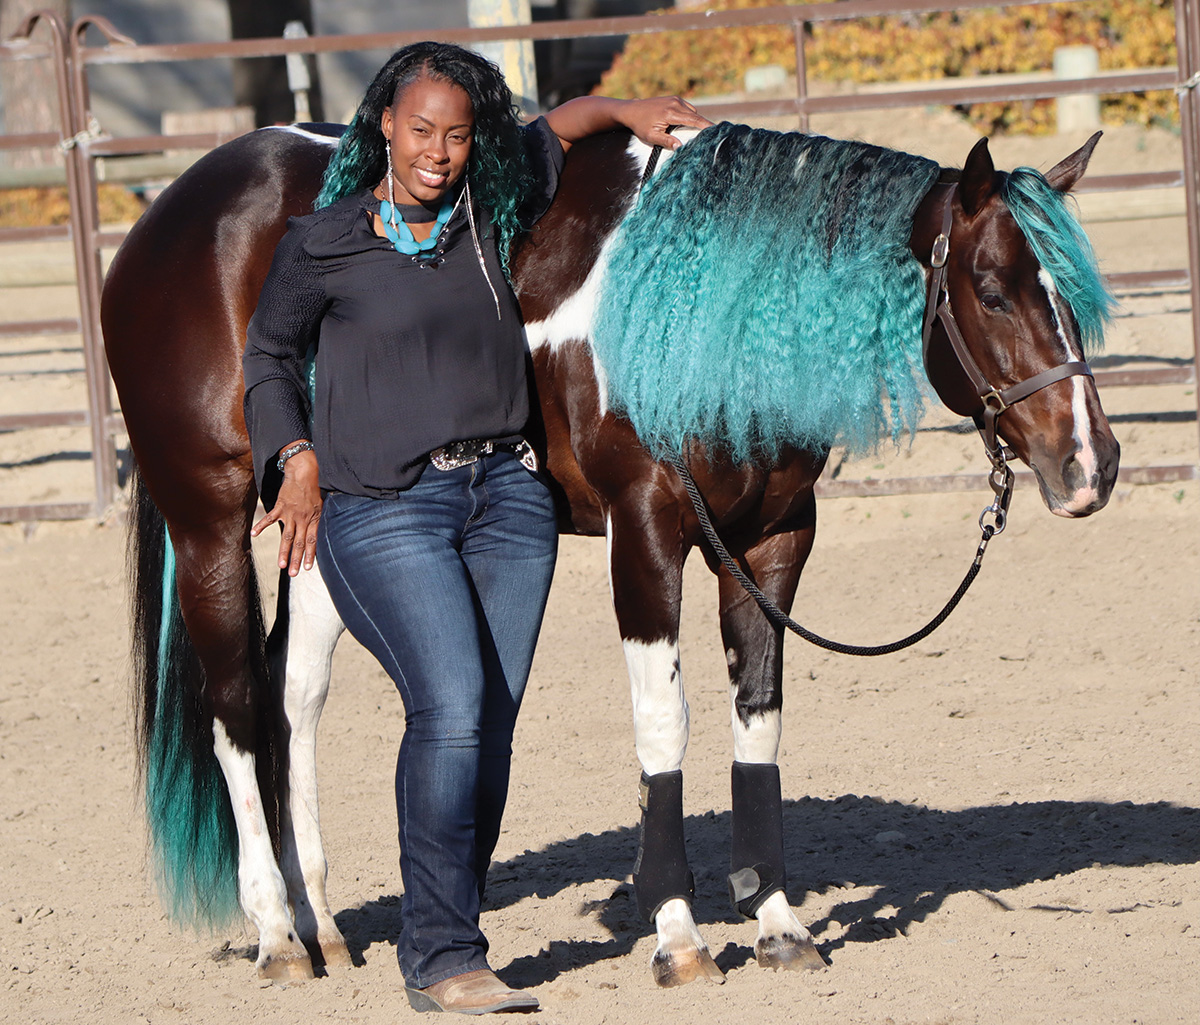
571 320
261 889
660 709
757 740
325 140
677 932
313 631
1082 428
777 919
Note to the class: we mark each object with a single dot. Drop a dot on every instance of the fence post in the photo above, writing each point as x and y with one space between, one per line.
1187 45
85 219
73 133
801 75
514 56
1082 112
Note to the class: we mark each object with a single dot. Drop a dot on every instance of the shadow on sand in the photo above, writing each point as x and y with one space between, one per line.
910 857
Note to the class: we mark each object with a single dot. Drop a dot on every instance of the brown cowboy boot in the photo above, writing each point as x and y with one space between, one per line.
478 992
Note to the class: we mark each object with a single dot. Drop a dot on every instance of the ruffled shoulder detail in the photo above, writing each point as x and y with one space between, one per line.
337 230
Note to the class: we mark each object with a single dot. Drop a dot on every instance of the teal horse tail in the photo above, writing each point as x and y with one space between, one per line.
193 838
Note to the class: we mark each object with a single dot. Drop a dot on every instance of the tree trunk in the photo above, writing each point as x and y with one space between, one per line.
27 87
261 82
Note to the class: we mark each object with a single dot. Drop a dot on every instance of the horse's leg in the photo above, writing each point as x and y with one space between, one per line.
646 569
306 632
212 575
754 651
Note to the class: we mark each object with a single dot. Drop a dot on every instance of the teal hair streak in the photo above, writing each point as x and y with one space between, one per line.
346 172
762 293
1061 247
193 836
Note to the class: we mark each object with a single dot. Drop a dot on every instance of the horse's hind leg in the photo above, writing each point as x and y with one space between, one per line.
646 567
308 631
754 651
213 578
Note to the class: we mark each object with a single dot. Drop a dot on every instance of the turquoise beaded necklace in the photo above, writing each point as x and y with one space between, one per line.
407 243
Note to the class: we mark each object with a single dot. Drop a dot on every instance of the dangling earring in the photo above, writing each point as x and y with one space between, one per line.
387 148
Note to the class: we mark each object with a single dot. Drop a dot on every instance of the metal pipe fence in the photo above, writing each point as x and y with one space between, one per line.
83 143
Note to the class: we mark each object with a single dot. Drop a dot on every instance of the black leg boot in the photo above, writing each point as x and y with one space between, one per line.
758 869
661 871
756 865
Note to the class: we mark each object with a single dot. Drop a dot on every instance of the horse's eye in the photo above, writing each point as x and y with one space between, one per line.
993 301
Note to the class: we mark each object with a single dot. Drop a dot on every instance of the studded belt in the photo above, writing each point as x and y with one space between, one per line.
463 453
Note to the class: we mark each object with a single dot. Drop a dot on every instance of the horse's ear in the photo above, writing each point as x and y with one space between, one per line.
978 180
1063 175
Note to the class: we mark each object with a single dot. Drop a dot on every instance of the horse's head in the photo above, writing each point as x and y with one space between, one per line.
1018 298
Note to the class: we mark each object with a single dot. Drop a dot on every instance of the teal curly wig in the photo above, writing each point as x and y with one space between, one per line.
762 292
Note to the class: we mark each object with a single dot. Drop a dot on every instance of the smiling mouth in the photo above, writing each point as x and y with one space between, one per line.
432 178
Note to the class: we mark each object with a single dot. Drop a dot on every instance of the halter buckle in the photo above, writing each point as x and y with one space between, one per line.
994 400
941 249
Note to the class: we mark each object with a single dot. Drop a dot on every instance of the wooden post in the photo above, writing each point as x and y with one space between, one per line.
1077 113
514 56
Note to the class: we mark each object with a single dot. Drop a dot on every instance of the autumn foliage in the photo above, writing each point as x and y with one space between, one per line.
1127 34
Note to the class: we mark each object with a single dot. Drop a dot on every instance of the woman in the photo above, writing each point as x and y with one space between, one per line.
405 476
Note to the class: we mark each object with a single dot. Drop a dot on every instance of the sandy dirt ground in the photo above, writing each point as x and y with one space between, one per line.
1000 825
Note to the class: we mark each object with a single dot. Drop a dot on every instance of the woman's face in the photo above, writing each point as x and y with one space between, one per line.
430 126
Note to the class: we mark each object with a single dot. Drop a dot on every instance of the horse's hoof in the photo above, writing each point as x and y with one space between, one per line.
677 969
791 952
286 968
336 954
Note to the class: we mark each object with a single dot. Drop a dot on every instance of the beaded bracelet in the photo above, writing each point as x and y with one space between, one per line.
287 453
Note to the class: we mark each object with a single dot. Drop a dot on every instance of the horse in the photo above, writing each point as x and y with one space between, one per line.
984 281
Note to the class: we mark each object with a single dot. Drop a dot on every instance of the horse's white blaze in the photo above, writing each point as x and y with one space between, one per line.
776 918
1082 428
676 928
261 889
313 631
660 710
758 740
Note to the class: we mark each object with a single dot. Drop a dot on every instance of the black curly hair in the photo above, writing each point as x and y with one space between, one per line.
498 165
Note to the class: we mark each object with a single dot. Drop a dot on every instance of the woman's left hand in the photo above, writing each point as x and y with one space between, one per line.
650 119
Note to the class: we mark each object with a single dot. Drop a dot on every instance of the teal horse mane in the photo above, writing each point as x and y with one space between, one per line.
762 293
1063 250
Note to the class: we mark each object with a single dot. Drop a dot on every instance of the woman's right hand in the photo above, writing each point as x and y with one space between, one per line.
298 511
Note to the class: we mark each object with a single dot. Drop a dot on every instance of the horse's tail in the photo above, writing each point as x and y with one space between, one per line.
193 838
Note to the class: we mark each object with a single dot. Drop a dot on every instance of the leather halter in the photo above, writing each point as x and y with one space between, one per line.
995 401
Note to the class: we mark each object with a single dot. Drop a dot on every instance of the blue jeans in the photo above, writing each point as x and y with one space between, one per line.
446 586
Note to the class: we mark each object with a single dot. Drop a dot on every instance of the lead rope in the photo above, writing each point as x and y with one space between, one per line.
1000 480
781 619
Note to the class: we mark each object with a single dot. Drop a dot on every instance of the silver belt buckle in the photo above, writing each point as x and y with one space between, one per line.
459 453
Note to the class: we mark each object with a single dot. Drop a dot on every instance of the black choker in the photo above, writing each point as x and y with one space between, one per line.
409 213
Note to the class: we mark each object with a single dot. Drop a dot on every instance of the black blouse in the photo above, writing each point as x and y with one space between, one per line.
412 355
